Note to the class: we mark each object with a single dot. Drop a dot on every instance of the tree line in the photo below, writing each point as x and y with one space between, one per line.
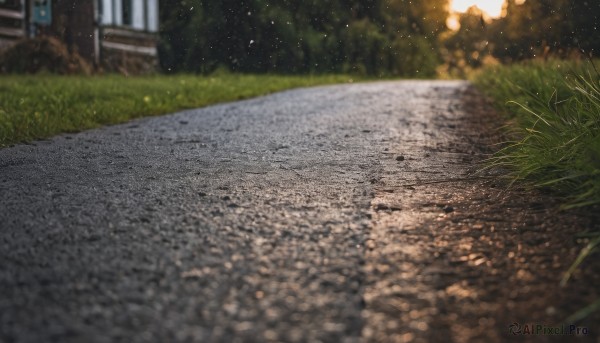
374 37
528 30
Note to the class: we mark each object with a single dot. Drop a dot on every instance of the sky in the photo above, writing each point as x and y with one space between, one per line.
492 7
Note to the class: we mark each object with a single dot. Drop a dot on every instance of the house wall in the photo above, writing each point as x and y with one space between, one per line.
12 21
144 14
129 43
73 23
94 28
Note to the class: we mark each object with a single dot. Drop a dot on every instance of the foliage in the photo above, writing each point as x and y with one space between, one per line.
34 107
556 110
373 37
528 30
42 54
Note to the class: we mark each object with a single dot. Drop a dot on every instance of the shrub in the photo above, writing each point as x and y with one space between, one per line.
42 54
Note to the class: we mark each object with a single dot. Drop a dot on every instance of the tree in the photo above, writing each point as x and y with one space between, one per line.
545 27
469 45
374 37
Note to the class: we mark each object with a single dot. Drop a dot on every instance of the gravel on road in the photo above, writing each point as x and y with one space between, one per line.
343 213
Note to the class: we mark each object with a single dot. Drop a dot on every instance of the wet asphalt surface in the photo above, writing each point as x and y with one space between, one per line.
281 218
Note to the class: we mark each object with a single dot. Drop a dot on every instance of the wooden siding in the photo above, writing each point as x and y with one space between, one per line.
12 22
130 41
12 14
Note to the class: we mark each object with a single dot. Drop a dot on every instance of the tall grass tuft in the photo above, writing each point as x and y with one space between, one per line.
554 109
554 142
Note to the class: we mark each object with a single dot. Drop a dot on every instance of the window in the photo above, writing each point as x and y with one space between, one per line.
140 15
152 15
106 10
127 12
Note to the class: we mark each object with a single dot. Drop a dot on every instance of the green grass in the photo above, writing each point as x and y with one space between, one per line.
554 112
36 107
554 125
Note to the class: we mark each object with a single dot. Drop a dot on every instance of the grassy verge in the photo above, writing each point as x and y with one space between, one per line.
554 111
35 107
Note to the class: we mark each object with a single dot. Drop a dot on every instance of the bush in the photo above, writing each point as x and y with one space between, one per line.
555 109
42 54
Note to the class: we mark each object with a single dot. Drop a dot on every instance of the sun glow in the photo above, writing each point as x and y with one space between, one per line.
493 8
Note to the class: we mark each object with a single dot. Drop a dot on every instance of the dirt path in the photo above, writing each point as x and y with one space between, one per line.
335 214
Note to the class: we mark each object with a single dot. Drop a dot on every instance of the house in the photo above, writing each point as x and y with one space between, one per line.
112 34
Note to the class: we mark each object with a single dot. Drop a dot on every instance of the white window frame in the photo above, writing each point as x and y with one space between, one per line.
107 12
152 15
138 14
144 16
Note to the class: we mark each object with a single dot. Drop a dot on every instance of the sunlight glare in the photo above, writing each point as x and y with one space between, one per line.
493 8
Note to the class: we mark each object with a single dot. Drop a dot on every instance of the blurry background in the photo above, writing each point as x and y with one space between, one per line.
374 37
367 37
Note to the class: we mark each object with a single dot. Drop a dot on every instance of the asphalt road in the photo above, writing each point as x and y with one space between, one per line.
244 222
